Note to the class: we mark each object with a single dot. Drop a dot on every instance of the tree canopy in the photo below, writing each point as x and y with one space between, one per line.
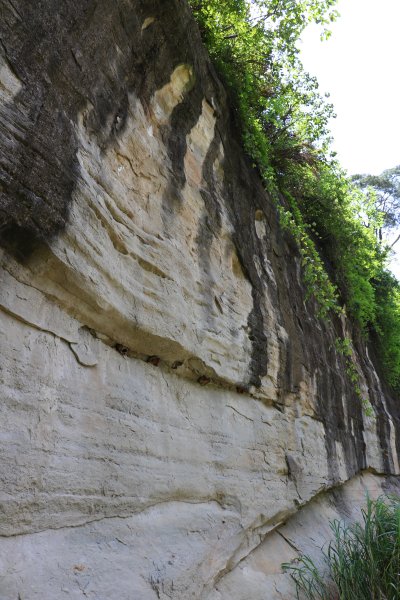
384 192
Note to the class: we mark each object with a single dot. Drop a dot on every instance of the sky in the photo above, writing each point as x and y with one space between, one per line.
359 67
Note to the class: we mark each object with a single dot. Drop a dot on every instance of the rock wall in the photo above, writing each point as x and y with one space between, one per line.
174 416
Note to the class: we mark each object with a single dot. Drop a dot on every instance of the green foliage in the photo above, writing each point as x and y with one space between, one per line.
387 332
329 201
315 276
254 46
362 562
284 122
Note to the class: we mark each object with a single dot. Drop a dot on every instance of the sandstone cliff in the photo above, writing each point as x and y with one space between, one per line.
175 420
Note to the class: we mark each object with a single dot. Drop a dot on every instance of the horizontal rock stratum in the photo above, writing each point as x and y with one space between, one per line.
175 419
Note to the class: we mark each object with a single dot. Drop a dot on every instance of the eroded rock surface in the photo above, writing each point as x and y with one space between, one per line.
169 398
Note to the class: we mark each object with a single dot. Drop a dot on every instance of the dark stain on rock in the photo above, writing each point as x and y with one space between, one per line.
209 227
184 117
243 194
377 397
69 57
39 166
259 351
209 193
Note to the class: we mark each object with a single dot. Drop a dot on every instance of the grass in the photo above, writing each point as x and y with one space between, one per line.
361 563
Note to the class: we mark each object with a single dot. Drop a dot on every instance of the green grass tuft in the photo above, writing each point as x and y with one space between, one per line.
361 563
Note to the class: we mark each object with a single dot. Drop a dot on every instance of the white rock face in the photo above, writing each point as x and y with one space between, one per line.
140 458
